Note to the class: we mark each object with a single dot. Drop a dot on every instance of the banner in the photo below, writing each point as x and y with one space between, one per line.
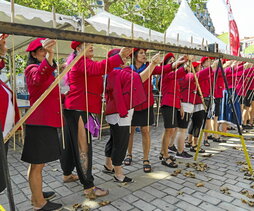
234 39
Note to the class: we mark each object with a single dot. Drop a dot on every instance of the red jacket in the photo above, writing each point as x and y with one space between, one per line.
219 85
118 92
149 88
76 98
2 64
242 81
188 86
207 84
38 79
171 95
4 99
230 75
251 81
95 90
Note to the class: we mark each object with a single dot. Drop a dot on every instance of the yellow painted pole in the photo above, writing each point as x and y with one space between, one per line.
199 145
246 155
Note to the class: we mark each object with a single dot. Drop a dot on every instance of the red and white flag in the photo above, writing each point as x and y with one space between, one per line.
233 32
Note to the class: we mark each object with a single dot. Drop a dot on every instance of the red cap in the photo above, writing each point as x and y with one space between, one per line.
75 44
224 61
168 55
212 58
113 52
137 49
242 63
195 64
203 59
35 44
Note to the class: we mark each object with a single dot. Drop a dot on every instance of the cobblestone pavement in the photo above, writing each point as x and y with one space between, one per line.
158 190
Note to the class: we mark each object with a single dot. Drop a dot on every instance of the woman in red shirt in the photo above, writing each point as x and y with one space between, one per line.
124 92
41 140
143 114
9 114
77 110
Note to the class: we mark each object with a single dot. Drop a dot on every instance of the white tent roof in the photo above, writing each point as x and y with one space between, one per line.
187 25
30 16
122 27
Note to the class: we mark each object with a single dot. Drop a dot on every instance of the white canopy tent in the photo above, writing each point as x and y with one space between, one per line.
30 16
121 27
187 27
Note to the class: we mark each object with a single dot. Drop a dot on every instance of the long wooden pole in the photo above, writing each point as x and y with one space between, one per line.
38 31
42 97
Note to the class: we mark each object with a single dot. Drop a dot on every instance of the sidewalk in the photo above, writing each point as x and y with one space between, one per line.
154 191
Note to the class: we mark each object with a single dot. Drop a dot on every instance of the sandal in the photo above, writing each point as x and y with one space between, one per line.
127 161
194 148
71 178
206 143
96 191
125 180
172 164
147 167
106 170
170 156
188 145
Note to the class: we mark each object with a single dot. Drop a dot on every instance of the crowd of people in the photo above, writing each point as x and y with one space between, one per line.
191 91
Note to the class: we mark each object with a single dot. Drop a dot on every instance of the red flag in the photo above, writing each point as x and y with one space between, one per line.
233 32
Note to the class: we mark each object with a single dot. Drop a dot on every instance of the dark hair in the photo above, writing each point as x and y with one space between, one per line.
31 59
167 60
135 55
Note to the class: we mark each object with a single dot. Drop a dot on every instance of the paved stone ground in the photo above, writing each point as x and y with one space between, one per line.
154 191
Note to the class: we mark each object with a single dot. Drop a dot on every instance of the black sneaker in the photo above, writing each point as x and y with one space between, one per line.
48 195
50 206
184 155
172 149
246 127
194 148
218 140
210 137
188 145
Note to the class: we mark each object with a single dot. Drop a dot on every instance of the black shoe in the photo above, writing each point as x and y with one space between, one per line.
210 137
172 149
125 179
218 140
246 127
188 145
184 155
194 148
106 170
170 157
172 164
48 195
50 206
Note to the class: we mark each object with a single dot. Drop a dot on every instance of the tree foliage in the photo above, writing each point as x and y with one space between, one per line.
154 14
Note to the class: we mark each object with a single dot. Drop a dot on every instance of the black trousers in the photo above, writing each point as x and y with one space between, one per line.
71 155
196 123
117 145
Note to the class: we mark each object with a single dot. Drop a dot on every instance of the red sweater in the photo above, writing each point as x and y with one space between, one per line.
38 79
76 98
148 86
118 91
171 95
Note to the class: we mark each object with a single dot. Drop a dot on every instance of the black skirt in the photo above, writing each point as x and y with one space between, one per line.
41 145
140 118
169 115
